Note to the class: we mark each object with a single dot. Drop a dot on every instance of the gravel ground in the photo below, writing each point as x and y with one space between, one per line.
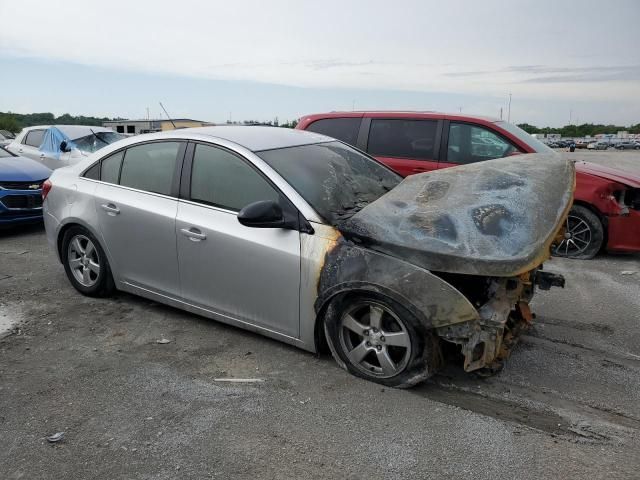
567 404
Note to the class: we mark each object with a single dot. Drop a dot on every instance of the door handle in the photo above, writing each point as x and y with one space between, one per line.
111 209
42 155
193 234
20 150
419 170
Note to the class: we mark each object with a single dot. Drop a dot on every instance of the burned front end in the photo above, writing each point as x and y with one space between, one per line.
462 248
503 313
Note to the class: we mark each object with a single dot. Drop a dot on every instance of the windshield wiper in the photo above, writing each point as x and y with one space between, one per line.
99 138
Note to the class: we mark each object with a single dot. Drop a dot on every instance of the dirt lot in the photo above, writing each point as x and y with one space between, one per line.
566 406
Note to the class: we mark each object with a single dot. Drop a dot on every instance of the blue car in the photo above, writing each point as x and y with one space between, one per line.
21 182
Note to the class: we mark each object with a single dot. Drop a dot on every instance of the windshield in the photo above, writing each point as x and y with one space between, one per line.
96 141
335 179
4 153
7 134
533 142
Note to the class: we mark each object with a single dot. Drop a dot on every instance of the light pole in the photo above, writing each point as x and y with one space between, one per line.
509 110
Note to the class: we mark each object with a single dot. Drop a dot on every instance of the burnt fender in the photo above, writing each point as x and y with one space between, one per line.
349 267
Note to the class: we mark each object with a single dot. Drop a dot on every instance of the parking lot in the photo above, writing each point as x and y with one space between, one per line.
567 404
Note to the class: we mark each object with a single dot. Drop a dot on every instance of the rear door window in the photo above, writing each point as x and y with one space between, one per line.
111 168
34 138
415 139
345 129
472 143
150 167
224 180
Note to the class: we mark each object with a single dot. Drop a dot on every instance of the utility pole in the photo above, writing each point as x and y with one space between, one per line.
509 110
500 113
460 109
570 115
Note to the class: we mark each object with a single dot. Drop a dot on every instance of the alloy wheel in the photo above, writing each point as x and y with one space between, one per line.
84 261
374 339
577 237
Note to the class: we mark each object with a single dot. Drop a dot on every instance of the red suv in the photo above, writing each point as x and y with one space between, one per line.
606 211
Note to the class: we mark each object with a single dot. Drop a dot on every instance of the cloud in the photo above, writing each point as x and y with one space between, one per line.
413 45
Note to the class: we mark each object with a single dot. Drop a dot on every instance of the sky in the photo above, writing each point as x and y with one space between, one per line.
560 61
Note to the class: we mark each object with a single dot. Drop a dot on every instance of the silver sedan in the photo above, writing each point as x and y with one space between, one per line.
304 239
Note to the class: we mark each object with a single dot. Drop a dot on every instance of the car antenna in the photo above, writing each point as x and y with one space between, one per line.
165 112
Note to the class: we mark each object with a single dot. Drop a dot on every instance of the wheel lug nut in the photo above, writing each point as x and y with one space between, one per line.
368 344
375 330
382 338
366 333
378 347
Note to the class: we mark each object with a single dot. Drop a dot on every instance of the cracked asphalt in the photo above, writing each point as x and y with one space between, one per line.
567 404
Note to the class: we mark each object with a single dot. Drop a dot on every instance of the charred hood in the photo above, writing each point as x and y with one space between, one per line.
493 218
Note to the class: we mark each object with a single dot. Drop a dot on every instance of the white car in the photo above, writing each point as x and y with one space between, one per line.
58 146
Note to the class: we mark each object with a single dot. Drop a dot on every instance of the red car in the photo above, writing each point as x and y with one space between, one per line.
606 211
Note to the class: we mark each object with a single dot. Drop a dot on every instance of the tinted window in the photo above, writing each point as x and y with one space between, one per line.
403 138
111 168
150 167
336 180
224 180
94 172
345 129
34 138
472 143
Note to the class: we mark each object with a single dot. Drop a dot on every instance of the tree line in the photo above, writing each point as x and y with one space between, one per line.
14 122
584 130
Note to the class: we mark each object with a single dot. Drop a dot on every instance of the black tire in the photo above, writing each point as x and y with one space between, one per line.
583 245
413 364
100 284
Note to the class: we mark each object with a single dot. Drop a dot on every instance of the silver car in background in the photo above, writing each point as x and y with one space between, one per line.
304 239
57 146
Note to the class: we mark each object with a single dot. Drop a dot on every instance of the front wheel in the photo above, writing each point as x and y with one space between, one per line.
85 263
377 339
583 235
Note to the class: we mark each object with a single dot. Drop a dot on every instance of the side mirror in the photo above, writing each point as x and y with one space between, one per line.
64 147
262 214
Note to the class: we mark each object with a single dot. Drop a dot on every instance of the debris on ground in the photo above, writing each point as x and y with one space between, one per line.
56 437
628 272
163 341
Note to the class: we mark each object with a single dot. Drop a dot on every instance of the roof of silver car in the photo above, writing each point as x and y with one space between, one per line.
258 138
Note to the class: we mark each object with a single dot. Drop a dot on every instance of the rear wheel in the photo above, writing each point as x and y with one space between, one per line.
377 339
85 263
583 235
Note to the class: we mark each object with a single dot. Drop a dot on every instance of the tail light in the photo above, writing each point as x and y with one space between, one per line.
46 187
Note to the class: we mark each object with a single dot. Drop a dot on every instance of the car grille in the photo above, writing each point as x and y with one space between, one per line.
22 185
22 201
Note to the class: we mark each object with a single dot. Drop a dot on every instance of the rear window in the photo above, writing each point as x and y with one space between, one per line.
345 129
403 138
